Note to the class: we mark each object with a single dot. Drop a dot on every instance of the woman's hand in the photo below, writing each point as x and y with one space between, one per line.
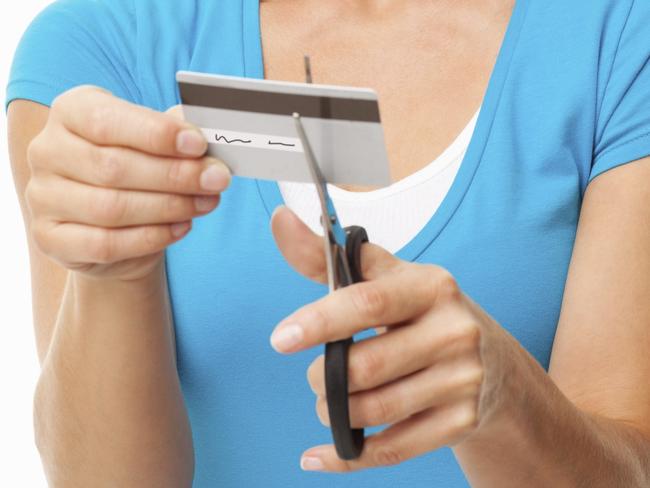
434 374
112 183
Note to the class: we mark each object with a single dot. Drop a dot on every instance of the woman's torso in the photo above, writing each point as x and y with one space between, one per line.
252 410
505 229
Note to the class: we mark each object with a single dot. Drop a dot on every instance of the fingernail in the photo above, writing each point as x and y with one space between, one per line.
180 228
214 178
205 203
309 463
286 337
190 142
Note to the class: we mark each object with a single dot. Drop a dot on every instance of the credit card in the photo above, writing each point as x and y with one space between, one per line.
249 125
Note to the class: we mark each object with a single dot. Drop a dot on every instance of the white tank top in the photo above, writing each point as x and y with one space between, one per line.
392 215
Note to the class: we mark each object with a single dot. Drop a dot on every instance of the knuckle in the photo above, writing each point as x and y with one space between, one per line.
159 131
475 376
469 379
109 166
376 410
150 236
109 208
364 367
466 418
62 100
387 456
446 284
100 122
70 97
83 90
175 178
36 152
322 323
101 246
37 197
178 206
41 237
66 101
59 102
471 335
370 301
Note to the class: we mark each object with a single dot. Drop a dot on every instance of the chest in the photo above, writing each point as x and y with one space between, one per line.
428 67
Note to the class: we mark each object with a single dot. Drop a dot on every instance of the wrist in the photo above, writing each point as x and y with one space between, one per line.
139 288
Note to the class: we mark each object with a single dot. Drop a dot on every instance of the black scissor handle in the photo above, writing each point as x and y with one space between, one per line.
348 441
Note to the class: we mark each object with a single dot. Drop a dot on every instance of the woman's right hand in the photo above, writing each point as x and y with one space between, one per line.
113 184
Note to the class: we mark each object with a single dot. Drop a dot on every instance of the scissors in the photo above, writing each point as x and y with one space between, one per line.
343 257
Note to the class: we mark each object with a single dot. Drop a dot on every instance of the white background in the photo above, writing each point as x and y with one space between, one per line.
20 464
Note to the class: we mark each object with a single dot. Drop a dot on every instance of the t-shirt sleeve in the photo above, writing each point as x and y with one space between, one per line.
623 122
76 42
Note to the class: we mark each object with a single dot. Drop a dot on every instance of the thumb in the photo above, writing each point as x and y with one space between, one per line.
305 251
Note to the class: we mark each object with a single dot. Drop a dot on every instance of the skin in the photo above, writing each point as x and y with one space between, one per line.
104 191
108 407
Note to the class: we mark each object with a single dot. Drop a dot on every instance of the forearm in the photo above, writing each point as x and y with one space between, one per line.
537 438
108 405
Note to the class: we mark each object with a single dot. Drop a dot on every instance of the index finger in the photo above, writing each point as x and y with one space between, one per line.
104 119
392 299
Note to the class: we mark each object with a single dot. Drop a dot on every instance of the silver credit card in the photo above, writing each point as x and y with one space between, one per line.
249 125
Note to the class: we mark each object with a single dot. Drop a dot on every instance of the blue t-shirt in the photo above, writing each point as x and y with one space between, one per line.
569 98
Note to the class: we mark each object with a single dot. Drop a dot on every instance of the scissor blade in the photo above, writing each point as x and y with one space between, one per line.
321 188
314 169
329 220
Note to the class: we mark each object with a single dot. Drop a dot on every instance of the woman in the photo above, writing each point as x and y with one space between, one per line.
514 348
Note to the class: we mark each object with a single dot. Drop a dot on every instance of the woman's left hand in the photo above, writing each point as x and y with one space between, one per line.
434 371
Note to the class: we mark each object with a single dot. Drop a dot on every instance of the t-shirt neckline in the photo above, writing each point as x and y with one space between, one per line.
270 192
432 170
